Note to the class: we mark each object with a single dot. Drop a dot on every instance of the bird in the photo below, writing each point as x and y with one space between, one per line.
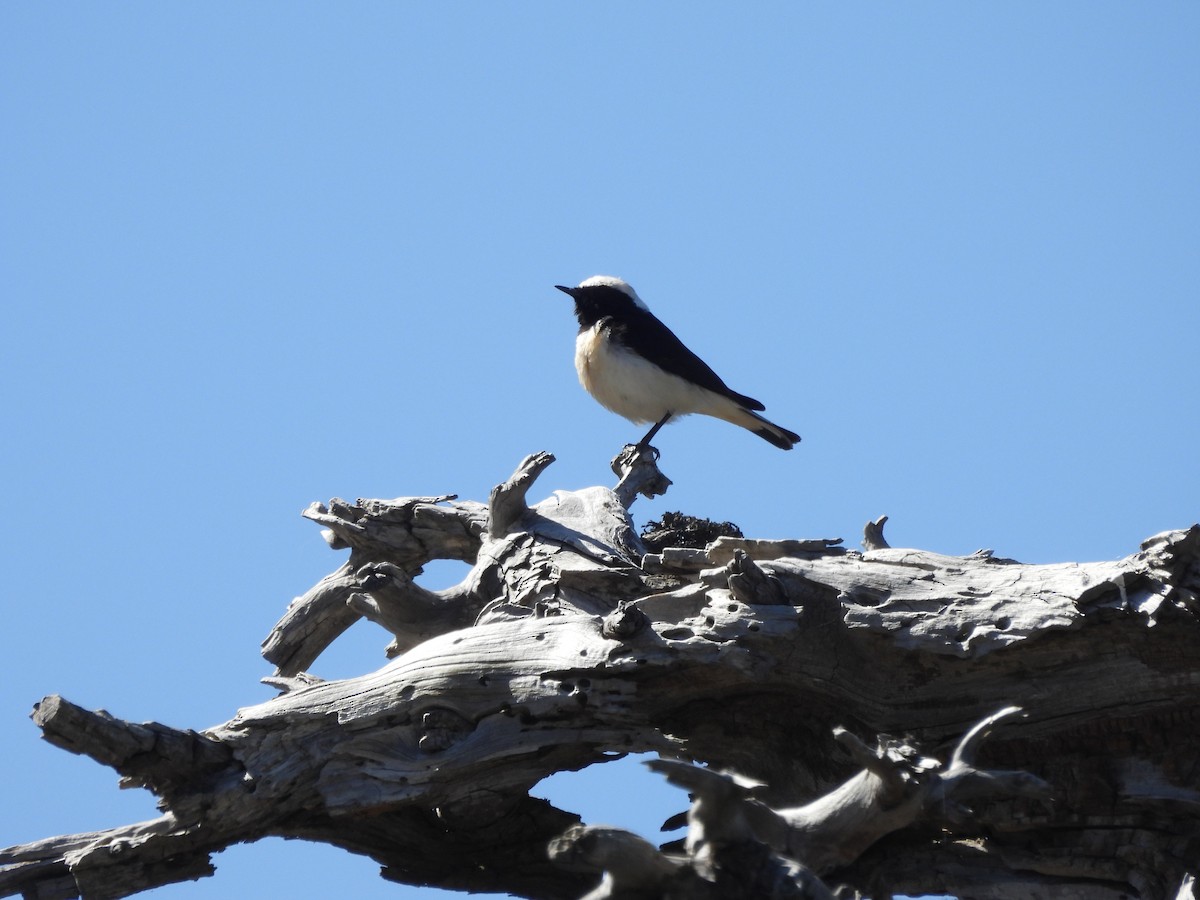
635 366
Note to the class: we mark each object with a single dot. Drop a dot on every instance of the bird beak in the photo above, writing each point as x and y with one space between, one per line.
569 291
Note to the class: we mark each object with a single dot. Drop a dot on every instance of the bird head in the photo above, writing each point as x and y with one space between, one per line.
600 296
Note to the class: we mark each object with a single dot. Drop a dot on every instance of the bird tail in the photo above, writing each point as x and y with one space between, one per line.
763 427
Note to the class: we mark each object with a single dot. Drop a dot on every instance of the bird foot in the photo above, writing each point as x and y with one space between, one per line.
639 448
632 455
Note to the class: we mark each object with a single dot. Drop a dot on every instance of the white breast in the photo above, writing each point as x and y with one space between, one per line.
627 384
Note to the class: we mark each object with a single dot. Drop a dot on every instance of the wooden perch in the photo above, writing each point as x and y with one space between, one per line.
566 644
898 786
629 866
506 506
155 756
637 468
405 533
873 538
738 846
391 599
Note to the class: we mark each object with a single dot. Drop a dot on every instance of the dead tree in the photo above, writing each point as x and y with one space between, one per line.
857 715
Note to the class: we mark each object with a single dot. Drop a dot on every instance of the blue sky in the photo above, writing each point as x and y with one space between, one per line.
257 255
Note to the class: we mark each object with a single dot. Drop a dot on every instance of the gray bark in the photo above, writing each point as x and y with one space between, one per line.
856 712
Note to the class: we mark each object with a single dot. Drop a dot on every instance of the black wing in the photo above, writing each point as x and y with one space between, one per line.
647 336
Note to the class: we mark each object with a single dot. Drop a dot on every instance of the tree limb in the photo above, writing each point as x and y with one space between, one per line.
565 645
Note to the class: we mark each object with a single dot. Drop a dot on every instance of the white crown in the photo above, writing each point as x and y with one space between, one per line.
620 284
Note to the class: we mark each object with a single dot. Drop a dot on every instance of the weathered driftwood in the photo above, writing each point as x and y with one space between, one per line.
739 847
568 644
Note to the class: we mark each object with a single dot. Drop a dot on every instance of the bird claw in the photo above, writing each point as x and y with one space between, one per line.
636 450
632 454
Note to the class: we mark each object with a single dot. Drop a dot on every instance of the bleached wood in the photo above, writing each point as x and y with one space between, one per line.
637 468
873 538
563 646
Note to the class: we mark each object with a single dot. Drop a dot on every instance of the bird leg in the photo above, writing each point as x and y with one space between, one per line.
645 442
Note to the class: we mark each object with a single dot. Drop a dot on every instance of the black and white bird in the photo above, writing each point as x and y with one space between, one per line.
635 366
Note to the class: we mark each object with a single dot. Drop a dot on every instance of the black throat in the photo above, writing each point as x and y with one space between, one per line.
601 301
